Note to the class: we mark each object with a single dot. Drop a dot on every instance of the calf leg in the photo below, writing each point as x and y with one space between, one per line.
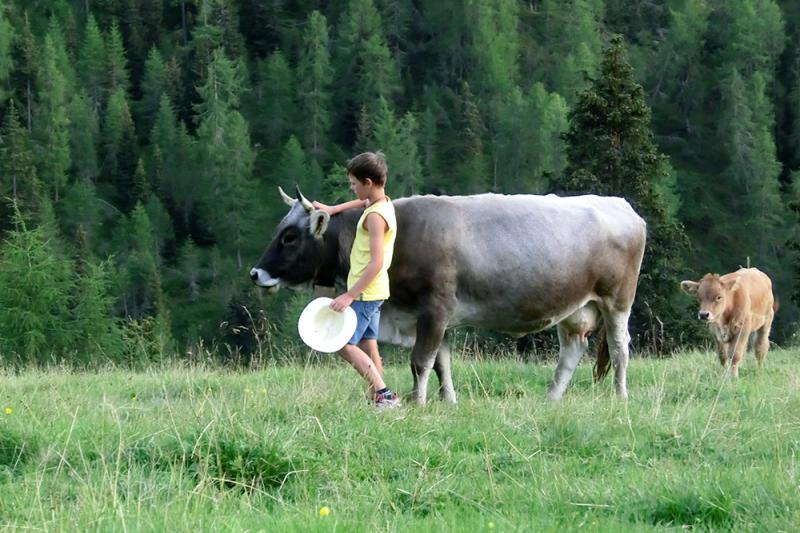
571 347
738 347
442 368
761 345
430 332
618 340
722 352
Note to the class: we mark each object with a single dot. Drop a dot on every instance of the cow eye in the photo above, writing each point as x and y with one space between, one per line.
719 298
288 239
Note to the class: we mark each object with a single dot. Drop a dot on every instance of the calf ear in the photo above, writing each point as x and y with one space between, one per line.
734 285
690 287
318 223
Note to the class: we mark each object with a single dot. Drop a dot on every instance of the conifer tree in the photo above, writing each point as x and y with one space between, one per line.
6 57
116 62
51 126
314 78
398 140
92 62
84 133
611 151
363 62
120 150
273 104
293 169
227 155
18 181
471 173
26 59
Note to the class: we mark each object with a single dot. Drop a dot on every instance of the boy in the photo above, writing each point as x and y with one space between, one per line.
370 257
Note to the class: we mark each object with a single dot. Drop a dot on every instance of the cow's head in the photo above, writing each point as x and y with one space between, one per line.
293 255
712 294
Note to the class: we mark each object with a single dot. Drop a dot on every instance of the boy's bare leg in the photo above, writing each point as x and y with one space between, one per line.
370 347
363 365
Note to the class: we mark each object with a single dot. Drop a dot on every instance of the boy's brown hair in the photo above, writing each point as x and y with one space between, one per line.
370 165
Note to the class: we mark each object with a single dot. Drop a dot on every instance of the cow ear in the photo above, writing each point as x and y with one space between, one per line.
734 285
318 223
690 287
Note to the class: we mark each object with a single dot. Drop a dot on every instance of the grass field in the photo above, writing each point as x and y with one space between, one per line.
197 449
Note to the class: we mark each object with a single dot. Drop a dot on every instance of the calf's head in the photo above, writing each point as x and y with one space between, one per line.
712 294
293 256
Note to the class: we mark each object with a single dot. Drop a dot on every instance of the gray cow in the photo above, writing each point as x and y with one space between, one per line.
516 264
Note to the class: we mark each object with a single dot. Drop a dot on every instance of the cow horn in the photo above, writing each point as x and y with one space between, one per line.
303 200
288 200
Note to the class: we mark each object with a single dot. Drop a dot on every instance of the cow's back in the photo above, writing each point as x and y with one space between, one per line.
758 288
516 263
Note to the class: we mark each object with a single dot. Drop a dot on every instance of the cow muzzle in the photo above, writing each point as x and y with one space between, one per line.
262 278
704 315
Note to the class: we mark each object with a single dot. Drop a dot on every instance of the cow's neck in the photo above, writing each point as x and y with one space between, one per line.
337 243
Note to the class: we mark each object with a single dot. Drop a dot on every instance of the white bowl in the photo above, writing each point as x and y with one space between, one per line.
324 329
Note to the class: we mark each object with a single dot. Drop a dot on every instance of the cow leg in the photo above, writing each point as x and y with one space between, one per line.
618 340
722 352
442 368
739 346
571 347
430 332
761 345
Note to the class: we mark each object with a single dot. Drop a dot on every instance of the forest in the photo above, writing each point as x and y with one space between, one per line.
142 143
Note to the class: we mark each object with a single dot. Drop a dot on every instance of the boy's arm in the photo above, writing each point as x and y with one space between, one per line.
376 226
338 208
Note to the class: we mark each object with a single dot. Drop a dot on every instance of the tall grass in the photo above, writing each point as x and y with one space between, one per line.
197 448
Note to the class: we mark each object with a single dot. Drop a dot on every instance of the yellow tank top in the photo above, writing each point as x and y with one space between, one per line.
360 256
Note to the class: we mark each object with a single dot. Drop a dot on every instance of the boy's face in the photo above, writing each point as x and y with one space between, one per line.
359 188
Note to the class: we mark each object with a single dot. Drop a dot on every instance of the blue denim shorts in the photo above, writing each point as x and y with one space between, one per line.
369 317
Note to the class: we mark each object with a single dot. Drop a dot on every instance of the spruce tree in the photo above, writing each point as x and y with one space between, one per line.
84 135
610 151
51 125
314 79
92 62
18 181
6 58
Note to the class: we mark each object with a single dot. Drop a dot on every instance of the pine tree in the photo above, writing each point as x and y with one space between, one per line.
51 127
227 155
120 150
6 57
116 62
314 78
26 59
92 62
364 64
398 140
18 181
84 134
273 103
611 151
471 173
293 169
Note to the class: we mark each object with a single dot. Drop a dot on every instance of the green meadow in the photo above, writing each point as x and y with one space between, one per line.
297 448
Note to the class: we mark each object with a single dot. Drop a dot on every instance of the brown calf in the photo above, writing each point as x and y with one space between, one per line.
735 305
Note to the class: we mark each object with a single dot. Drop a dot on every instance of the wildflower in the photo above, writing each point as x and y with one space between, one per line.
8 410
324 511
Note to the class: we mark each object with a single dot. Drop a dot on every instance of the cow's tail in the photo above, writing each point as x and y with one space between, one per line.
603 361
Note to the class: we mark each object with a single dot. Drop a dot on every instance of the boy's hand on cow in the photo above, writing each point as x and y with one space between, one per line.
323 207
341 302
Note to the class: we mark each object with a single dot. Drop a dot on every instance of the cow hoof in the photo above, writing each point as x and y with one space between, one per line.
449 397
554 396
